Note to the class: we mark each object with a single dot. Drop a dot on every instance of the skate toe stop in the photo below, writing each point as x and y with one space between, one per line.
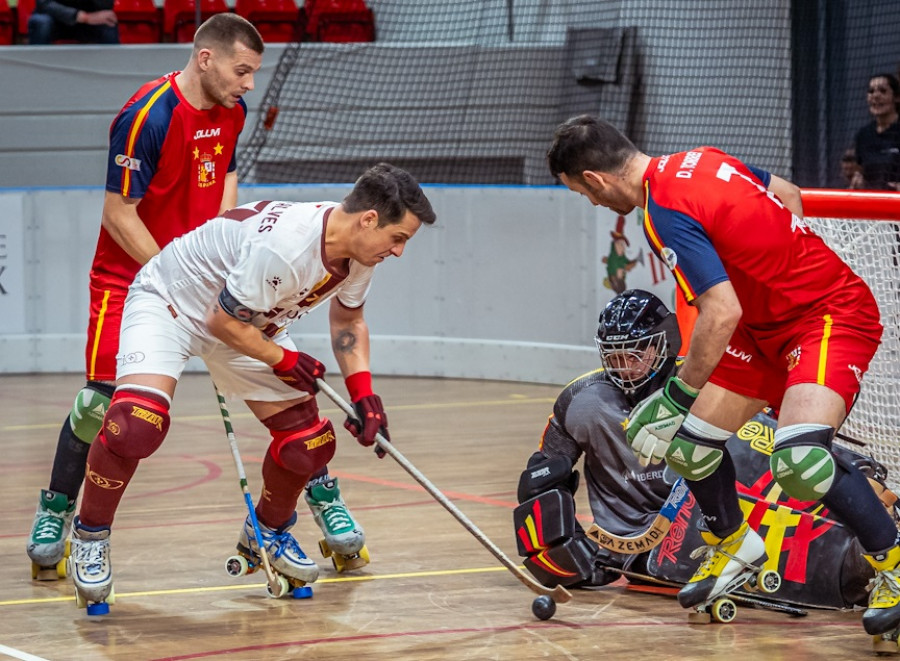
303 592
98 609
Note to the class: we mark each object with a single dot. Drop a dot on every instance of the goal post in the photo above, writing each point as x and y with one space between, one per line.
863 228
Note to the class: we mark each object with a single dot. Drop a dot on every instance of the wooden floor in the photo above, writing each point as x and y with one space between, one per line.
431 592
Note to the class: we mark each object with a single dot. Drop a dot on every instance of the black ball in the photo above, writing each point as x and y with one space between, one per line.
543 607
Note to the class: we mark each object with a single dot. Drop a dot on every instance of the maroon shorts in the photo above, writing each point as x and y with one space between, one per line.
828 350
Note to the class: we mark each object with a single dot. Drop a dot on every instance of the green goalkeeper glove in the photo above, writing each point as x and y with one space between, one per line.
652 424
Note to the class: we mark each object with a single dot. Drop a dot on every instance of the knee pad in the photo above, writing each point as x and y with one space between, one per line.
136 423
554 545
299 416
693 457
802 462
545 474
88 410
304 451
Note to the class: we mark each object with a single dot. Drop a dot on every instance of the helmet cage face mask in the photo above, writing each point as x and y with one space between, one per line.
630 364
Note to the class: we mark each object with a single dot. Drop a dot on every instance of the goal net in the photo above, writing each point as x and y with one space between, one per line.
864 229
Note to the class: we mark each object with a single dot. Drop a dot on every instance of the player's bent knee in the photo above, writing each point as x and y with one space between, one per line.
802 462
692 457
136 423
88 410
545 474
304 451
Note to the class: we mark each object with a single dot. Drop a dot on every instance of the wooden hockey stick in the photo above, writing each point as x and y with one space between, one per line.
559 594
275 587
650 537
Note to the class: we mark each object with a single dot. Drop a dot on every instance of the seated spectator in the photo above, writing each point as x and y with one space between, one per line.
83 21
878 142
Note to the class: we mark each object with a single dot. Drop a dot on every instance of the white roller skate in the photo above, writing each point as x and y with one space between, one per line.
48 545
345 540
729 564
286 558
91 569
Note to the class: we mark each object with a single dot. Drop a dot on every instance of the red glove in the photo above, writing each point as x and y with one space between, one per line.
299 371
369 410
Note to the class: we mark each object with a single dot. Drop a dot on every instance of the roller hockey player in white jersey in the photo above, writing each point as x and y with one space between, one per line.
639 341
227 292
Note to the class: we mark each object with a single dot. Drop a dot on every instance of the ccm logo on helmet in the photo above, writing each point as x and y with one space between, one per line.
128 162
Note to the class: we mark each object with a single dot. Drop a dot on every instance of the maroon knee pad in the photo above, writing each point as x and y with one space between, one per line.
304 451
136 423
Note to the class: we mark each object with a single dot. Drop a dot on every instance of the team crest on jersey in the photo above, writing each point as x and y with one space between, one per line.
669 257
793 358
206 171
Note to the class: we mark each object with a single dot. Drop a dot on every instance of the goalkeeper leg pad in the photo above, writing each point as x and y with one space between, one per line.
802 462
545 474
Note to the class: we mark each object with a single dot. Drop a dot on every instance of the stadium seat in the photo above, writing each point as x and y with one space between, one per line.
276 20
179 19
339 21
140 21
7 25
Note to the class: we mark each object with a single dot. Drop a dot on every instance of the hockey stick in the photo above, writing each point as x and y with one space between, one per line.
276 589
559 594
650 537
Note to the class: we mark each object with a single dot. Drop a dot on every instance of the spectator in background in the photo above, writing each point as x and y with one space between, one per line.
878 143
84 21
850 171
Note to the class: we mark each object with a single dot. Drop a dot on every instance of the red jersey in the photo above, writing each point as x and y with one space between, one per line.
710 218
173 157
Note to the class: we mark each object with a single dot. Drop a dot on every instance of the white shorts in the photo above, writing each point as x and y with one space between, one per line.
154 341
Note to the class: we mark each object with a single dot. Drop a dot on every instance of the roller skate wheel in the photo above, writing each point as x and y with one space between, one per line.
302 592
358 560
768 581
62 565
282 588
100 608
237 565
80 601
723 611
325 549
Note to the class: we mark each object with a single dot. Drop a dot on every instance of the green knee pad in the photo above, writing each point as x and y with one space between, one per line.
805 472
691 460
86 417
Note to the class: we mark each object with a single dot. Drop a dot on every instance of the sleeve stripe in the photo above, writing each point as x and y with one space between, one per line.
135 130
657 244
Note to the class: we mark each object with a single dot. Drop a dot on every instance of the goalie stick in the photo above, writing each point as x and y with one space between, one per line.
559 594
650 537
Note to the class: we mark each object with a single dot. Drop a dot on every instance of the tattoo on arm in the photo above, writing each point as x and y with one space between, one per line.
345 342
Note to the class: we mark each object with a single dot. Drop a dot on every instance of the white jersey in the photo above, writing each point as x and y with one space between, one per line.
271 257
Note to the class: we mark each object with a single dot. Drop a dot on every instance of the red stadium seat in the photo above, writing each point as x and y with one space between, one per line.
179 17
7 25
339 20
140 21
276 20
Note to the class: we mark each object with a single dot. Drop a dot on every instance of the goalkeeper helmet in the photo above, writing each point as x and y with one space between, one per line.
636 336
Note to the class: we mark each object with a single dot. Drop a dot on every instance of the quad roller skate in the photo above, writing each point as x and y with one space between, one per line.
345 540
91 570
290 564
48 546
882 618
729 564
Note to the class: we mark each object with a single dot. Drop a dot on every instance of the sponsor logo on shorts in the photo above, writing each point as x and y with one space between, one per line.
132 358
858 373
128 162
740 354
154 419
103 482
793 358
319 441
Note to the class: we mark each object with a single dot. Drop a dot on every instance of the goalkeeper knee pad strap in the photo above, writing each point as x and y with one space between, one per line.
802 462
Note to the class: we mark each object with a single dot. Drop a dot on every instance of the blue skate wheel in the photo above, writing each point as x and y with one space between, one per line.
304 592
98 609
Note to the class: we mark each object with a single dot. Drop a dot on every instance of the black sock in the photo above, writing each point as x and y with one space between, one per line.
717 498
70 462
852 494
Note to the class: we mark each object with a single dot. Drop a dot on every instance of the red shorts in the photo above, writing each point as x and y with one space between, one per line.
827 350
103 331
